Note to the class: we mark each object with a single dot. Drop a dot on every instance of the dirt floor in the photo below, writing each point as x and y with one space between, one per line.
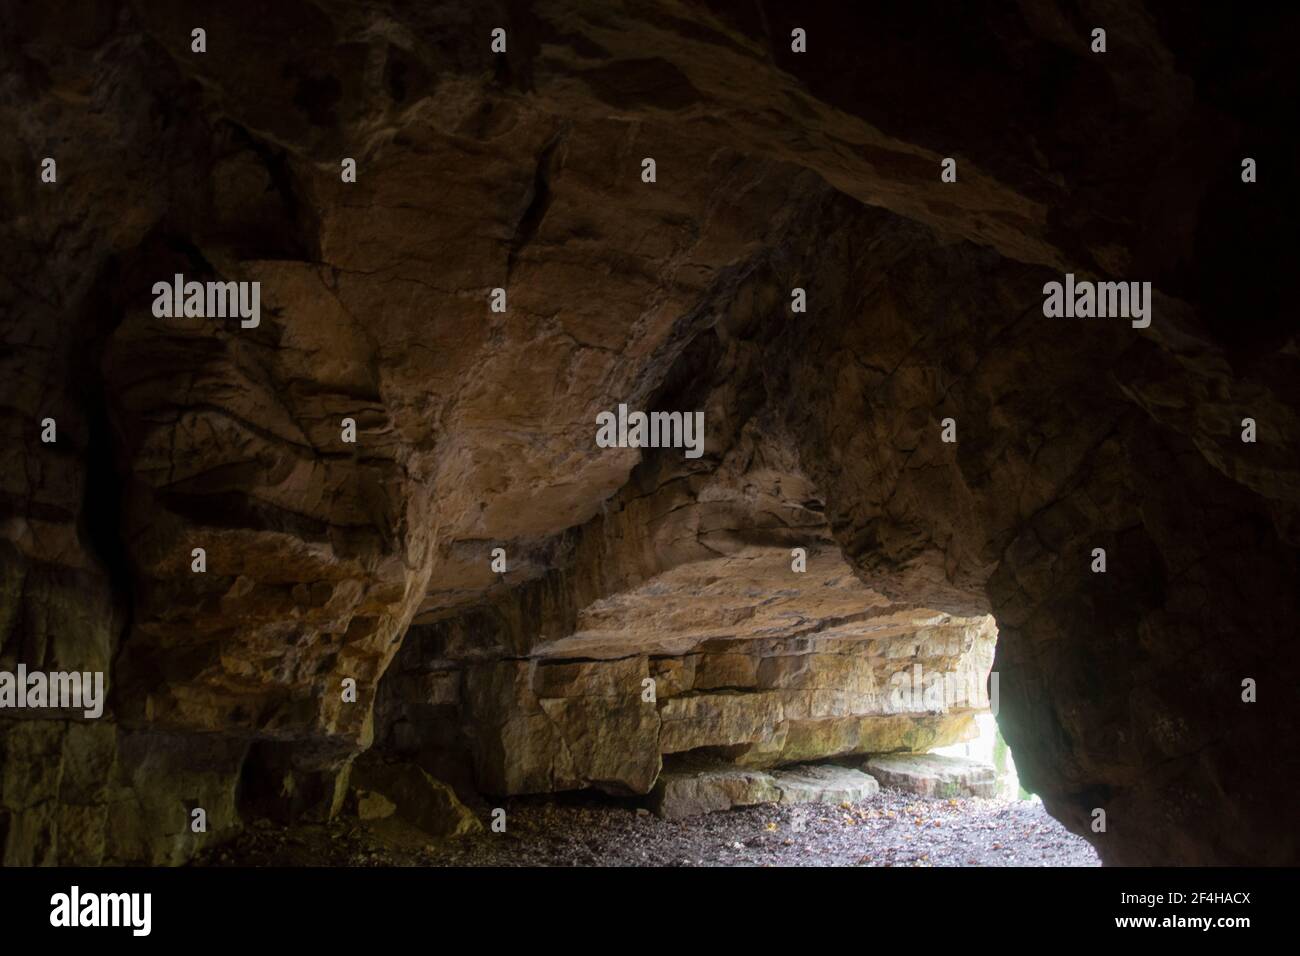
891 829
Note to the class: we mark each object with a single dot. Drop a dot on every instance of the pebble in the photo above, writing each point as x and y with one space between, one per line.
592 831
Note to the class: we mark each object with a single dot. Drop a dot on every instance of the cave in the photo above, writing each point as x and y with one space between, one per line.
378 535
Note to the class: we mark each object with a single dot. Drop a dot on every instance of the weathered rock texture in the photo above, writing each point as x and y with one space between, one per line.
932 775
832 685
678 795
328 561
410 792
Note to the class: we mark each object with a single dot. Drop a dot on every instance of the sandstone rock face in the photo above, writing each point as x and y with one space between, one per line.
933 775
371 562
541 724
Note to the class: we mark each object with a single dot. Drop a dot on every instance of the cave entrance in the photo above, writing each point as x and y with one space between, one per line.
989 747
761 704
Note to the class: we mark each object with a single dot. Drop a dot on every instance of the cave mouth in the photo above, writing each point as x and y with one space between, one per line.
764 690
867 739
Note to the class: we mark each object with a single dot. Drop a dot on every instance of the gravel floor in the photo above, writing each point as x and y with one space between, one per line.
891 829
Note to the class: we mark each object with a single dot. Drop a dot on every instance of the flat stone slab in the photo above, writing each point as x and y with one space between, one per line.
932 775
679 794
691 793
824 783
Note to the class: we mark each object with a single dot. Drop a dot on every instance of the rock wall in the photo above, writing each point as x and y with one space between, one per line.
543 723
370 561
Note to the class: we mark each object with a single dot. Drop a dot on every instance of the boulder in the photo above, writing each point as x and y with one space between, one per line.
680 794
418 798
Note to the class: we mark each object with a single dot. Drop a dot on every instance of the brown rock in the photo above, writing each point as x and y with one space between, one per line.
374 806
423 801
329 562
